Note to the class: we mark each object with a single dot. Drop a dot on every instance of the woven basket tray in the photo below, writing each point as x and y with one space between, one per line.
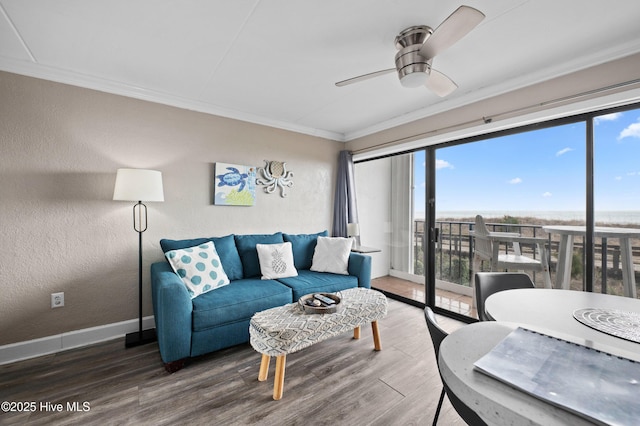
320 309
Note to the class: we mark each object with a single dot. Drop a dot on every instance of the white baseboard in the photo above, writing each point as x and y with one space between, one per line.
69 340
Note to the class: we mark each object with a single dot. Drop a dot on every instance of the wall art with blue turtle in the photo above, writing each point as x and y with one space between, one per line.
234 185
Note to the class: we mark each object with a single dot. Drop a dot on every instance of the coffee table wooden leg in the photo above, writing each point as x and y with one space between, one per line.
264 368
278 383
356 332
376 336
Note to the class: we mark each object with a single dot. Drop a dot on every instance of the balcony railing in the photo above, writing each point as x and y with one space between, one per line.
454 254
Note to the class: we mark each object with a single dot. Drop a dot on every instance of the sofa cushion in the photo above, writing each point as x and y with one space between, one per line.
303 246
168 245
313 282
332 255
249 254
199 268
229 256
238 301
276 261
225 246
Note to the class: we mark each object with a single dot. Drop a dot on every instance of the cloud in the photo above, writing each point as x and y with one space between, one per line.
515 181
631 131
563 151
442 164
618 177
608 117
546 194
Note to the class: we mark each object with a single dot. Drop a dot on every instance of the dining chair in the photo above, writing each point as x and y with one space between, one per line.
488 283
437 336
487 247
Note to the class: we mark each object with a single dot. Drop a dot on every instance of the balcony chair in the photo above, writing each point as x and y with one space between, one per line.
487 247
437 336
488 283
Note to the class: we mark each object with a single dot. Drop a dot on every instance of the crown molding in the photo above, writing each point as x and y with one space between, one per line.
58 75
45 72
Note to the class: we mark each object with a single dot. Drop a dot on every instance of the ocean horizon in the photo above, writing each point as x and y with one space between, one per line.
605 216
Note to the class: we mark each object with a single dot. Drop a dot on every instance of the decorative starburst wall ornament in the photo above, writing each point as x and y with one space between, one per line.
274 174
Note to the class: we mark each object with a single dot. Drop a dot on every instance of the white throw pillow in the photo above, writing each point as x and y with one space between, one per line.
332 255
199 267
276 261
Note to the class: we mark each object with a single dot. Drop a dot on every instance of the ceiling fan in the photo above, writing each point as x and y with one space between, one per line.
418 45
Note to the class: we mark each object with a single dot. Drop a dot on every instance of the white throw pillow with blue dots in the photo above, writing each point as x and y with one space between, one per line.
199 267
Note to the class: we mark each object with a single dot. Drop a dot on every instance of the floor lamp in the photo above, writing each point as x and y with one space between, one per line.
139 185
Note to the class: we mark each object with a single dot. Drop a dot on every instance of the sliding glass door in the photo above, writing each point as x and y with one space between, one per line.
518 183
575 183
616 201
390 194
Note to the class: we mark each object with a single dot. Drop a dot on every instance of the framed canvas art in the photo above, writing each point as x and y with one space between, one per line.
234 185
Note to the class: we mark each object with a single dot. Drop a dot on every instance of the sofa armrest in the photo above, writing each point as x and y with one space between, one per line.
172 308
360 266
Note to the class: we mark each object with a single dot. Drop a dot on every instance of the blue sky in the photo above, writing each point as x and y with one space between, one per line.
541 170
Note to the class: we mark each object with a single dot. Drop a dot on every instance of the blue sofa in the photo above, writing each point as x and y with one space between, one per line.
220 318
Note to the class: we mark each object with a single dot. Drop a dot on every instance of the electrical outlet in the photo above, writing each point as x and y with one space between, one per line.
57 300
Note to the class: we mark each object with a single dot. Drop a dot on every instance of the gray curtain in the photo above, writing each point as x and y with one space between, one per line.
344 207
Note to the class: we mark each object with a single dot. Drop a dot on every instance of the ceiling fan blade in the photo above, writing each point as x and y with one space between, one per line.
364 77
440 84
452 29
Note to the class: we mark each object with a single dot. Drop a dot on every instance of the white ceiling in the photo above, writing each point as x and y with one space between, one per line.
275 62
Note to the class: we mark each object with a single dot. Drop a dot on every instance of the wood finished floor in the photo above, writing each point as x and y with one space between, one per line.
340 381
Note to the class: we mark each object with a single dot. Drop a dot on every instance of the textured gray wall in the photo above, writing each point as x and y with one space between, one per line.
60 147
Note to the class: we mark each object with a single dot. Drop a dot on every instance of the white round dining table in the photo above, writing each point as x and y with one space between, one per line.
494 401
547 311
552 309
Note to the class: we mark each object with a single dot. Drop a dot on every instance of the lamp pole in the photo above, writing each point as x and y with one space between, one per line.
138 185
142 336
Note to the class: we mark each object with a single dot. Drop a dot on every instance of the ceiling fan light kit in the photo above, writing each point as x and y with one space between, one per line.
414 75
413 69
418 45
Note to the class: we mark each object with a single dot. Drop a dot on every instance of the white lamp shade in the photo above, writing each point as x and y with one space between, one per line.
353 229
138 185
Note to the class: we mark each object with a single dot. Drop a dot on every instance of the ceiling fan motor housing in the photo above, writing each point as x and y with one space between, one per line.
412 68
